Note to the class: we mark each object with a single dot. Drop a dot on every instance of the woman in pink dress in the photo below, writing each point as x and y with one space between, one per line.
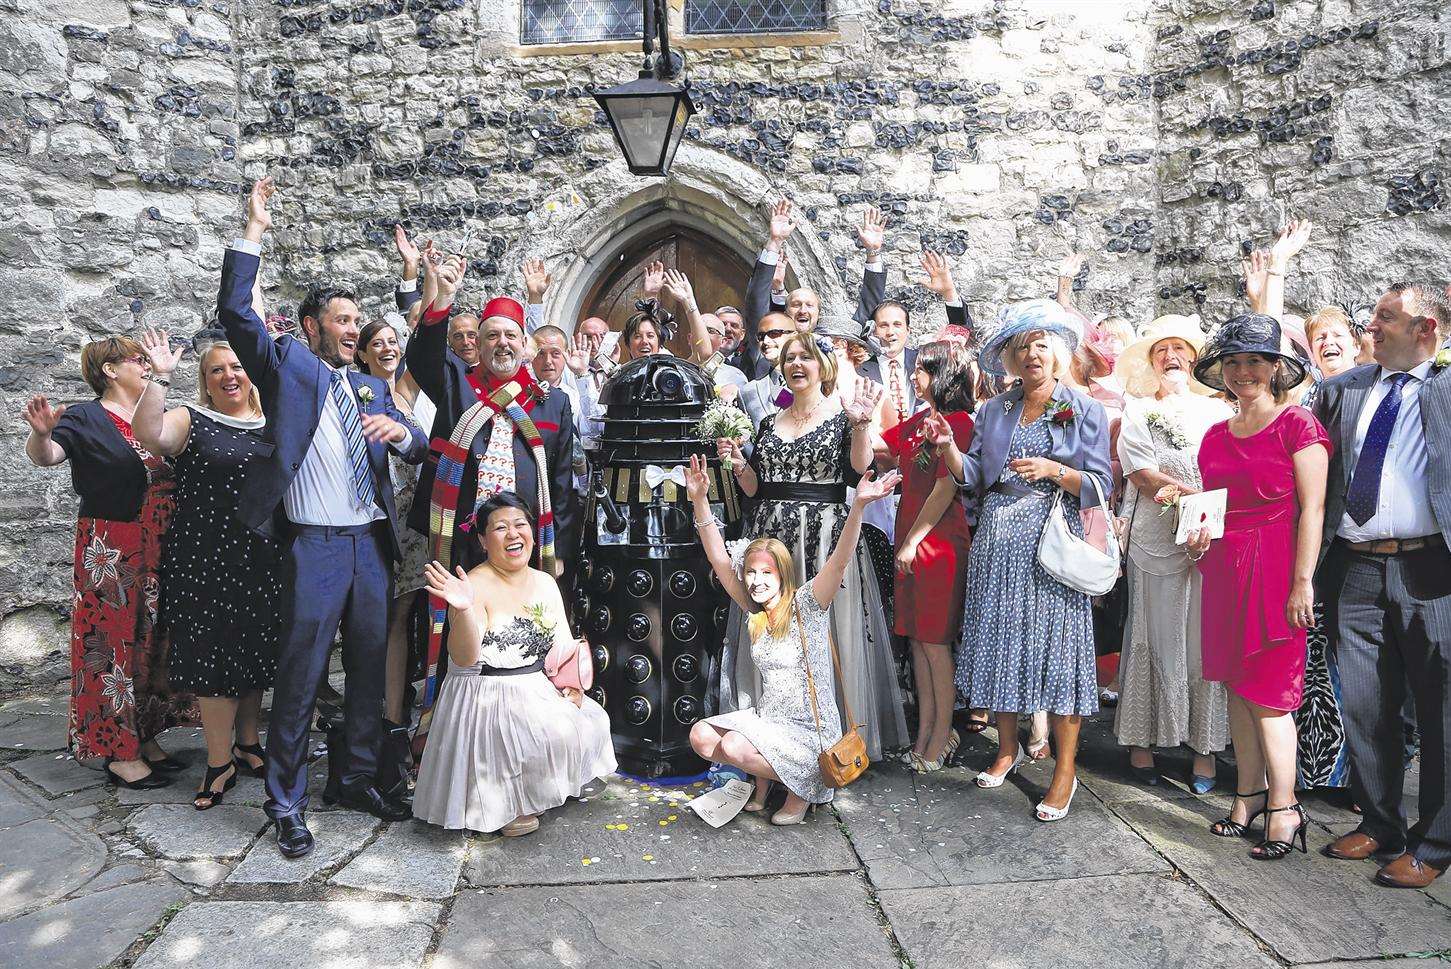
1257 602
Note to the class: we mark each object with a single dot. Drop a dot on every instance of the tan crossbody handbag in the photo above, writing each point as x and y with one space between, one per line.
845 760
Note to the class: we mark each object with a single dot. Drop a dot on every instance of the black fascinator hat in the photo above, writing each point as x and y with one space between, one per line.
1246 333
650 310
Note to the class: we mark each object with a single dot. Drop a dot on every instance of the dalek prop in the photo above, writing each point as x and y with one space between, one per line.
645 596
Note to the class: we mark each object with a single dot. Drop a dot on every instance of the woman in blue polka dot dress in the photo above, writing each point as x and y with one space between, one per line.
1027 639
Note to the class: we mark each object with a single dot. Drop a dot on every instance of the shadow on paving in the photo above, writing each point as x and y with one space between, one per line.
1127 921
1308 908
625 831
918 831
727 924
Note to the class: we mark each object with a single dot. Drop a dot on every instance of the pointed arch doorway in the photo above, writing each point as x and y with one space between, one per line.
716 271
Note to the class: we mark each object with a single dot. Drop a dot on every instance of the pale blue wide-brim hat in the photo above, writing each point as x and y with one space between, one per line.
1025 317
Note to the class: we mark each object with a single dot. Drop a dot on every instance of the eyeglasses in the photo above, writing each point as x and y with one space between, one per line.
772 334
138 359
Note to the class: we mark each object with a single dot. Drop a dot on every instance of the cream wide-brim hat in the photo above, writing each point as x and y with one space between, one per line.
1133 368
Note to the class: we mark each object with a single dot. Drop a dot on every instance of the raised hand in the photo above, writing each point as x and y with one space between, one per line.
536 279
157 344
873 231
939 275
1071 265
873 487
1256 267
936 431
677 287
448 275
42 417
580 354
697 481
654 278
783 223
864 403
453 587
1291 240
258 218
407 250
778 281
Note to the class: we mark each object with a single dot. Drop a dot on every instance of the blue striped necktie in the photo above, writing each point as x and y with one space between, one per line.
1363 496
357 445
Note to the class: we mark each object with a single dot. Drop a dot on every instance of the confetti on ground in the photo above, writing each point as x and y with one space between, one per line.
647 857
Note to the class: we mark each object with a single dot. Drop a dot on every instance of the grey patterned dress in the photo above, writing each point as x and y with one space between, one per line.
1164 700
1027 639
782 725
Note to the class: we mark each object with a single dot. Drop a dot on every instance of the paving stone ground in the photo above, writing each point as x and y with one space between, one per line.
903 871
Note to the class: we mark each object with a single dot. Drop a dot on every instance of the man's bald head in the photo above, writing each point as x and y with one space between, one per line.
715 328
803 306
596 328
771 332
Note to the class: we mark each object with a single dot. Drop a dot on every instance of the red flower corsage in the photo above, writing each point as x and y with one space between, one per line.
1062 413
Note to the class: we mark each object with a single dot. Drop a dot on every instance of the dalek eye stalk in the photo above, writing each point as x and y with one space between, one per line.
645 596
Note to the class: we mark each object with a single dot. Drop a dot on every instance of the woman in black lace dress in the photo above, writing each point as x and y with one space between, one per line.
804 458
219 580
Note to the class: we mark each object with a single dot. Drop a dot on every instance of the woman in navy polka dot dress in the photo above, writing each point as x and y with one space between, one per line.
220 581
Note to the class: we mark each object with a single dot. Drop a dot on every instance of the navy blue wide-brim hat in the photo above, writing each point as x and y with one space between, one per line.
1247 333
1027 316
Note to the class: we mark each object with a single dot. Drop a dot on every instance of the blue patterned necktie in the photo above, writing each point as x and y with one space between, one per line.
1364 494
357 446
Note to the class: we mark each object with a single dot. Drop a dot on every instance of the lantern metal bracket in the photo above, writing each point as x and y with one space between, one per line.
670 62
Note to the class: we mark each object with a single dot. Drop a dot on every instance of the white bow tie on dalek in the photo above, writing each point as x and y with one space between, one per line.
645 596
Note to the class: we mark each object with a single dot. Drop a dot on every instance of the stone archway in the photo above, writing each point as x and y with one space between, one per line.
584 237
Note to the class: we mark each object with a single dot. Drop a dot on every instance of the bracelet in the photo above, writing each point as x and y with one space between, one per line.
1193 557
1062 470
1271 272
163 381
712 520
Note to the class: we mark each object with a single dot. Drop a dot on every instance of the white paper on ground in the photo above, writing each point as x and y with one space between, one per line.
717 807
1202 510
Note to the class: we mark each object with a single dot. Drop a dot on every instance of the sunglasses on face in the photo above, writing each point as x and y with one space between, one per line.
772 334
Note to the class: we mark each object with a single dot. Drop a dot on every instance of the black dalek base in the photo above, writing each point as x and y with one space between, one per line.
645 596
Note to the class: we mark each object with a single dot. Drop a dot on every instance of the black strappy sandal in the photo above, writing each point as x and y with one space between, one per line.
206 798
1226 827
251 750
1268 850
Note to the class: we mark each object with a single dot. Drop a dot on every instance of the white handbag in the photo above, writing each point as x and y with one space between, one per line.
1075 561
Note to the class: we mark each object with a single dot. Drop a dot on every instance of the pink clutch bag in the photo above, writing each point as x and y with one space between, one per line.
569 666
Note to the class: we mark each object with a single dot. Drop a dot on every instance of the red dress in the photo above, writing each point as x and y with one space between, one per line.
119 698
929 601
1247 641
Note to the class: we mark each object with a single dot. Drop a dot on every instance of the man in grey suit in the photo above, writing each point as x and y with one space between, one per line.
1386 577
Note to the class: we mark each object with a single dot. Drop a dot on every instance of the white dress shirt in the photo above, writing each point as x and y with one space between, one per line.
322 492
1405 488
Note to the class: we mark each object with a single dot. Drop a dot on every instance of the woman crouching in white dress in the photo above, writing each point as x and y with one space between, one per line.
505 744
781 737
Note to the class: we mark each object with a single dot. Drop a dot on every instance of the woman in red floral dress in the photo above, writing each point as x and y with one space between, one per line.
932 542
119 699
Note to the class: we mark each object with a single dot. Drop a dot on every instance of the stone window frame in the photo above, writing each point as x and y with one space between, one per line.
843 19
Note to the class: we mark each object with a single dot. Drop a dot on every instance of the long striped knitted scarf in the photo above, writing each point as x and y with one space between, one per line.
447 482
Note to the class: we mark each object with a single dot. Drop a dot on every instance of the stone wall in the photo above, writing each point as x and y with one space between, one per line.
1156 135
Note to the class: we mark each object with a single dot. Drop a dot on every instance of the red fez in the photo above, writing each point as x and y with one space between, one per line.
505 306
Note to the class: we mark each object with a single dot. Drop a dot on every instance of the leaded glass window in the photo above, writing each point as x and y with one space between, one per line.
753 16
576 21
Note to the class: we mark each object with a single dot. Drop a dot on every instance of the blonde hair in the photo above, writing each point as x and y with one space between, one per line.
1062 356
1117 326
777 621
204 397
1330 316
111 349
827 360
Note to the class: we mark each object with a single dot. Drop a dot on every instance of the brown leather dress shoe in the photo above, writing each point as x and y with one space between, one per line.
1407 871
1355 846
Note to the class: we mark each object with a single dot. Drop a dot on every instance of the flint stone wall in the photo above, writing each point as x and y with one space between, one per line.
1159 136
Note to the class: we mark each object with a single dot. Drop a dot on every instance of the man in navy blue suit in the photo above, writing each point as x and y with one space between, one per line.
326 491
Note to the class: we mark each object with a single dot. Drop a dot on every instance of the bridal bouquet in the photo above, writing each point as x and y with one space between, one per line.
721 420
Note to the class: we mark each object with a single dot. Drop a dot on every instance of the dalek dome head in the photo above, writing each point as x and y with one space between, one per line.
657 381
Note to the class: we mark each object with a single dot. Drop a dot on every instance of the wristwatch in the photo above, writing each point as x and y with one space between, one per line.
1062 470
